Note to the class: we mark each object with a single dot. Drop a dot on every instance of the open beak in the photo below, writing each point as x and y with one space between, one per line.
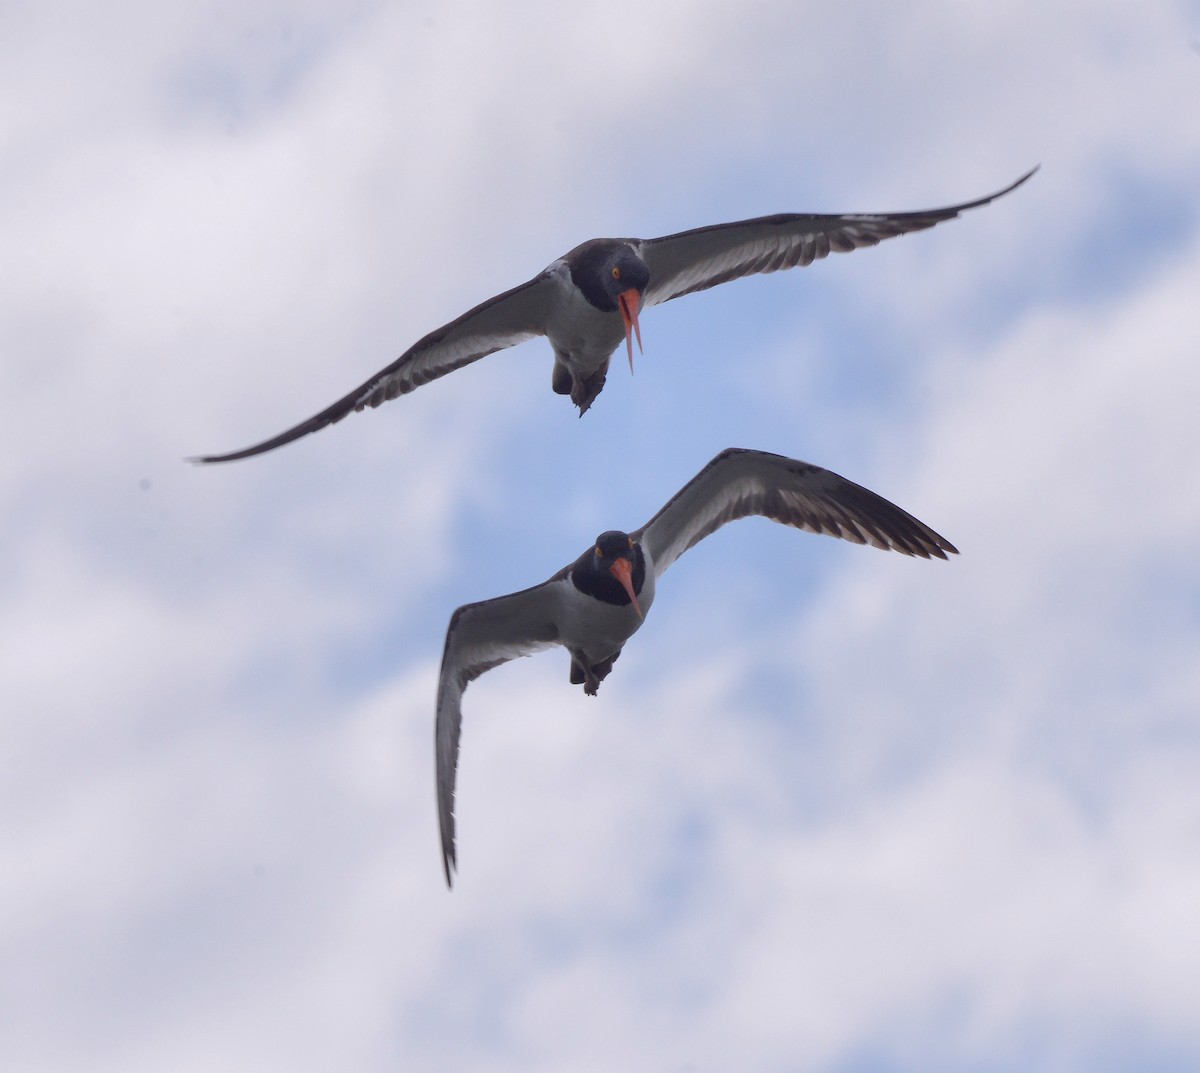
622 570
628 302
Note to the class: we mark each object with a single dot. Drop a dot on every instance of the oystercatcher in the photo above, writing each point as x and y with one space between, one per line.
594 605
586 302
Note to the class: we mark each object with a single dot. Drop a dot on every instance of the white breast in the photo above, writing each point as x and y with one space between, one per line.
583 337
598 629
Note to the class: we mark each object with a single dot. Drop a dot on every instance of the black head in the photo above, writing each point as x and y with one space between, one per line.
613 570
613 545
605 268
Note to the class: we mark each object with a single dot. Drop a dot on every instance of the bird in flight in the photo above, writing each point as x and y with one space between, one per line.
594 605
590 299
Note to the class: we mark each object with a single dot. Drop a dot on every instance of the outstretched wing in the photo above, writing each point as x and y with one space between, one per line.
482 636
701 258
503 321
739 483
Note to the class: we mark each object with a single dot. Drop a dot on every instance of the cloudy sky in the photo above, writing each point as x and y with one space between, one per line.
835 810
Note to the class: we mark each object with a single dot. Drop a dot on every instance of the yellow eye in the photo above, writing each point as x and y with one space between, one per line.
630 543
599 553
616 272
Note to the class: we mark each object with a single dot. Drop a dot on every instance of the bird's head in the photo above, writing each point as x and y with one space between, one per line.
613 278
617 555
625 278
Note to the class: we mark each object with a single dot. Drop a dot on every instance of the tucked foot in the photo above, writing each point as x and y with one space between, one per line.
561 379
584 677
602 670
584 392
589 677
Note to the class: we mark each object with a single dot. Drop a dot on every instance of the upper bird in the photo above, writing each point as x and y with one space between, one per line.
594 606
587 301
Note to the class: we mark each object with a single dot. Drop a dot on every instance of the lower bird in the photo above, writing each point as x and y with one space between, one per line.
588 300
594 605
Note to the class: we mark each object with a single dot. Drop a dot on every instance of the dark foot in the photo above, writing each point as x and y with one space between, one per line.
581 675
584 393
561 380
602 670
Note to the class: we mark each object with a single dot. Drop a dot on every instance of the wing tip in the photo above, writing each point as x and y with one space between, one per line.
1021 181
999 193
446 830
296 432
945 548
208 460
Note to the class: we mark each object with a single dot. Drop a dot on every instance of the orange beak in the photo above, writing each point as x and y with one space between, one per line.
628 302
622 570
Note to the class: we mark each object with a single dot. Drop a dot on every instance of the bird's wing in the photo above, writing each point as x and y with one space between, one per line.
738 483
482 636
503 321
701 258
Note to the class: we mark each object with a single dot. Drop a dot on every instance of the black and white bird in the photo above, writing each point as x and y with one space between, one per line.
587 301
594 606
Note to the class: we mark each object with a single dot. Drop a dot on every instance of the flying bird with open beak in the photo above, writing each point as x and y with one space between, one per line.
594 605
589 301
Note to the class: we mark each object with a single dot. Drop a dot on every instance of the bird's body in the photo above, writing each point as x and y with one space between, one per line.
599 613
589 300
581 327
593 606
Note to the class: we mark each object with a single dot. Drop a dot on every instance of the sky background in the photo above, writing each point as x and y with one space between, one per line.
834 810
